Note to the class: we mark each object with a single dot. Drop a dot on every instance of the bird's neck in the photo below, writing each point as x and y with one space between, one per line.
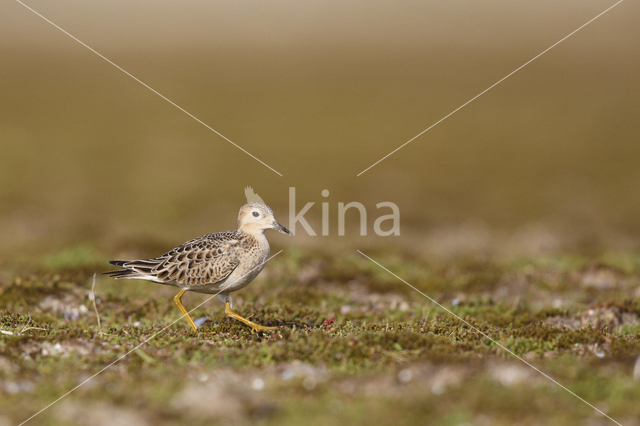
253 231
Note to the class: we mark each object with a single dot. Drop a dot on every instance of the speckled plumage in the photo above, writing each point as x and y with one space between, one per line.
203 264
218 263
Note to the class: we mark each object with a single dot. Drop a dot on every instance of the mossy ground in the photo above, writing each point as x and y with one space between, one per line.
356 345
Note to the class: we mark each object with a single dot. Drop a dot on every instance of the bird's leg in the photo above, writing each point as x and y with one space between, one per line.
178 301
253 325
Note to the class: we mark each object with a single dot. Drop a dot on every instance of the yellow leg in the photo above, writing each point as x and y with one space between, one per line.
178 301
253 325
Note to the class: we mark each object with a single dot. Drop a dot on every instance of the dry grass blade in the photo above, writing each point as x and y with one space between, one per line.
95 307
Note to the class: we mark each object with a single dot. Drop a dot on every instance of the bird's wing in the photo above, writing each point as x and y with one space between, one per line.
205 260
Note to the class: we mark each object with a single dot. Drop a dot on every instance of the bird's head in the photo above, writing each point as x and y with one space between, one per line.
255 218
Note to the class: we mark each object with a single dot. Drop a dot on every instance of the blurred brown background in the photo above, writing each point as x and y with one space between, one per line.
321 90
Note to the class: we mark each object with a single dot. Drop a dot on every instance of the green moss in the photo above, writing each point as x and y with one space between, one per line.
354 354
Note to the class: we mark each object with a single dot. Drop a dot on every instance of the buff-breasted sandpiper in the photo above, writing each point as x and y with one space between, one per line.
219 263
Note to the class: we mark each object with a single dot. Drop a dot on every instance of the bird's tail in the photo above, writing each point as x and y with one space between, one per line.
132 269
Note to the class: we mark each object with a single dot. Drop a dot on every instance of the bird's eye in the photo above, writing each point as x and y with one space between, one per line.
256 214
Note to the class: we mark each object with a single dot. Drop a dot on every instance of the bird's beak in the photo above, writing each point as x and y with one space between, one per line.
281 228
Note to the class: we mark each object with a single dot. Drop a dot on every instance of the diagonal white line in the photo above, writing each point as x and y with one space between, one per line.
486 336
125 355
487 89
157 93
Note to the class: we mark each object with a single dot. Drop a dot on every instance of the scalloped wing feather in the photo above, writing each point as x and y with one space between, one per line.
205 260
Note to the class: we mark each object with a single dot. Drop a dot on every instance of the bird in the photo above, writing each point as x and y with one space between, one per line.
218 263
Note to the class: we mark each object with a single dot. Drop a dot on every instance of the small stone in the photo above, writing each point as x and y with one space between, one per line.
438 388
288 374
405 376
636 369
200 321
309 383
257 384
17 387
510 375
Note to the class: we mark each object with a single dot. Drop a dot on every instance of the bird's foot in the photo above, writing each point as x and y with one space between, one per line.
253 325
258 327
